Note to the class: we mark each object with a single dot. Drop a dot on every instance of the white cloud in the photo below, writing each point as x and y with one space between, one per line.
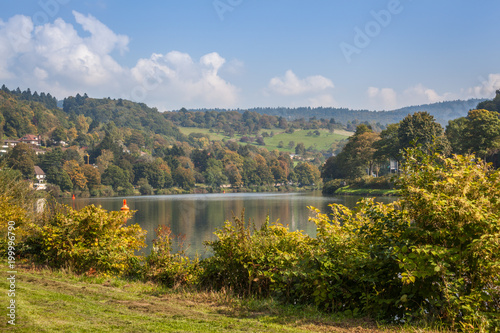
291 85
102 39
419 94
15 39
382 98
486 89
54 58
175 76
389 99
234 67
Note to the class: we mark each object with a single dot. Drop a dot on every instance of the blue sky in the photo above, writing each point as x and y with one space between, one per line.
241 53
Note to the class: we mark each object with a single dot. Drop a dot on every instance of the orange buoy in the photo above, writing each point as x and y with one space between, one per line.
124 207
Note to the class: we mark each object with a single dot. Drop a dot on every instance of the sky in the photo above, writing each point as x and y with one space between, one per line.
169 54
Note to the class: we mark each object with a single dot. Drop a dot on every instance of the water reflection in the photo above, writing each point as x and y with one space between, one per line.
197 216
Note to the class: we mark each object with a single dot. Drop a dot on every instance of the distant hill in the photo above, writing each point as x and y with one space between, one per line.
442 111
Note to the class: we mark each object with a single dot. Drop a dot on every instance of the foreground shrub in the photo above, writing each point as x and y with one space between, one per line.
18 203
357 271
256 262
90 240
452 262
433 256
167 267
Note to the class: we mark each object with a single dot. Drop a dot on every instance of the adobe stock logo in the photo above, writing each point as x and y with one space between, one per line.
49 9
363 37
223 6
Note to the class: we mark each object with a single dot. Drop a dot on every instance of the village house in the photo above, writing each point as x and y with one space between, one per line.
31 139
6 145
34 141
10 143
40 177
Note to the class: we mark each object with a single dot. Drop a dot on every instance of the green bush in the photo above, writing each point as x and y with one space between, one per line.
102 191
91 240
433 256
368 182
17 209
452 262
256 262
333 185
167 267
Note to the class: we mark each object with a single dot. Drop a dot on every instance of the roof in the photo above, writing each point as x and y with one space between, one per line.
39 171
30 137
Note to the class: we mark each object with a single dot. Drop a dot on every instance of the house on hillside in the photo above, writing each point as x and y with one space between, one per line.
6 145
10 143
38 151
40 177
31 139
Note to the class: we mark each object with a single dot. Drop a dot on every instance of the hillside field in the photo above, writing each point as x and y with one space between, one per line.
322 142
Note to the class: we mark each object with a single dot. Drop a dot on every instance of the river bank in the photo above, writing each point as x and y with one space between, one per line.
376 192
107 191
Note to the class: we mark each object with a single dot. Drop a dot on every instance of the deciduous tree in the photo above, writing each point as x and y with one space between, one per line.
22 158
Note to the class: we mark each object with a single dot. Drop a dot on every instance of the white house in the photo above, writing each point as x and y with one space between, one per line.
40 176
35 140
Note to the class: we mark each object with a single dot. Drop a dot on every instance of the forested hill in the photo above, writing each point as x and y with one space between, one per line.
123 113
21 114
47 100
442 112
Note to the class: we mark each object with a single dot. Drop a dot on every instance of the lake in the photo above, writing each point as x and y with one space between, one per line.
197 216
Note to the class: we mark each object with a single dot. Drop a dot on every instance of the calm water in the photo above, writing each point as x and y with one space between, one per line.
197 216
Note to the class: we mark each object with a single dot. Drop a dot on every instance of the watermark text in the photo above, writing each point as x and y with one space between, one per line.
364 36
11 273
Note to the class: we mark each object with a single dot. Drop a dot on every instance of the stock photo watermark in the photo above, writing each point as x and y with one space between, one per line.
223 6
48 10
11 273
140 92
364 36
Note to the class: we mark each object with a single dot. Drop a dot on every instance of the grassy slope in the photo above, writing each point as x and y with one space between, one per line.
57 302
322 142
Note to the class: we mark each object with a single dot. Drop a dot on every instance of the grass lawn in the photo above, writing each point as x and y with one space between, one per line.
49 301
321 142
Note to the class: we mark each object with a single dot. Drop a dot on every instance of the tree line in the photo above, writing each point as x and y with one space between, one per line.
369 152
245 122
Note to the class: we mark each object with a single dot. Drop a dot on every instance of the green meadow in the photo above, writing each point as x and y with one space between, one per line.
322 142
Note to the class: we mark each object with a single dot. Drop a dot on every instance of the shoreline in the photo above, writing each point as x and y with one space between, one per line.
198 190
366 192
